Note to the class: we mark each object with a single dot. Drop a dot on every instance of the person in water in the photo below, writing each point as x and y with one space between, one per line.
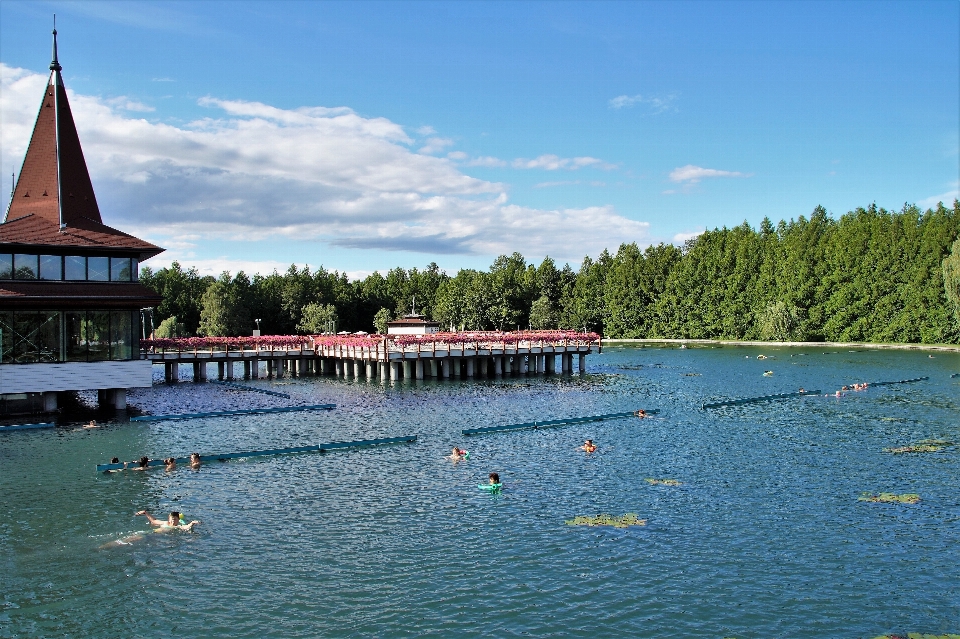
195 460
142 464
458 454
92 424
641 413
588 446
494 479
174 522
170 463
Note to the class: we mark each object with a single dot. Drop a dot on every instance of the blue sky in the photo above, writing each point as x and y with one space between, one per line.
362 136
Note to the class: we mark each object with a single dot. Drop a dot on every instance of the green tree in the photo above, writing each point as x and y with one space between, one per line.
223 312
168 328
778 322
318 318
380 320
543 313
951 278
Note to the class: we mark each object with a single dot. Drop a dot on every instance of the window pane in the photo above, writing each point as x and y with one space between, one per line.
75 267
98 269
25 267
6 266
6 337
51 267
120 335
76 328
120 269
48 338
25 328
98 334
134 269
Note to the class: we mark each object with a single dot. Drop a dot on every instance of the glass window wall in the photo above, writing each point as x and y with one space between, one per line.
120 269
75 267
51 267
25 267
6 266
98 269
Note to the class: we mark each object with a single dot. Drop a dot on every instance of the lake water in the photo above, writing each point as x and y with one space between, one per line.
765 536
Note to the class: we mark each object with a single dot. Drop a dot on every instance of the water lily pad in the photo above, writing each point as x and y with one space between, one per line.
629 519
663 482
891 498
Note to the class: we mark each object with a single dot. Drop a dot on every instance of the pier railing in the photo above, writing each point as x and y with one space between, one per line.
372 347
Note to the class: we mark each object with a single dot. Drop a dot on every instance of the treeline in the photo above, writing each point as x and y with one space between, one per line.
872 275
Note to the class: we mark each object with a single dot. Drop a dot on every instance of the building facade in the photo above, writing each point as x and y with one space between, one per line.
70 303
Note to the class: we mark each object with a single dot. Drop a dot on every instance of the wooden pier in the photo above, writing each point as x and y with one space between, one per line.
387 358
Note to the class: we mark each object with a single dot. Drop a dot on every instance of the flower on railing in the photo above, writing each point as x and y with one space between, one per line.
357 341
511 338
227 343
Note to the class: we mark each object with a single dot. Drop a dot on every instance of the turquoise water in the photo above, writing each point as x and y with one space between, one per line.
764 538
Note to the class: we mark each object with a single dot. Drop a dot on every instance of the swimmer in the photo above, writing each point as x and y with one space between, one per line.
92 424
761 357
768 373
640 413
170 463
195 460
142 464
845 388
494 478
116 460
802 391
174 522
588 446
458 454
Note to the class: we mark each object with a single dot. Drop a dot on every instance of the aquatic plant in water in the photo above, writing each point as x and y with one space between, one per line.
662 482
917 635
924 446
629 519
891 498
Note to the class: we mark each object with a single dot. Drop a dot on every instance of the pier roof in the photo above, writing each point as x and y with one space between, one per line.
53 202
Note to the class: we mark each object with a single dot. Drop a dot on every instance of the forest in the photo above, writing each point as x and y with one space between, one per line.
870 276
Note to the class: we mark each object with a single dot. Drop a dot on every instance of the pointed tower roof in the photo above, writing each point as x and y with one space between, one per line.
53 201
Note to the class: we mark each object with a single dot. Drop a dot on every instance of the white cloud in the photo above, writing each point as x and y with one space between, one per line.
691 174
125 103
655 104
681 238
218 265
947 198
486 160
436 145
251 171
426 130
457 155
551 162
163 80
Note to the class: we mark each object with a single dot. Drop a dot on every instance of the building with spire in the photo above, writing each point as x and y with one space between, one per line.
70 302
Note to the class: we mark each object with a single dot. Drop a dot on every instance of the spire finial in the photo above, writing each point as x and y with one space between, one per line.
55 65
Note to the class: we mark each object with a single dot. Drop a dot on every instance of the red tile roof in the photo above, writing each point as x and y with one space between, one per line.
54 186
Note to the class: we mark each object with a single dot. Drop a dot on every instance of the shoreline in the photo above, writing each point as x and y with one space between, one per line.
723 342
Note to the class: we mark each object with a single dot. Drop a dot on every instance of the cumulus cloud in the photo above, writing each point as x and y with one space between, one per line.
252 171
947 198
681 238
691 174
654 104
551 162
126 104
486 160
436 145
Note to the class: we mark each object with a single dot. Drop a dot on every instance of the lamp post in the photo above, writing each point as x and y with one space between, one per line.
256 333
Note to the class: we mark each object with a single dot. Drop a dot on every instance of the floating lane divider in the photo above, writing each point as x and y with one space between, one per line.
552 422
274 451
13 427
764 398
228 413
252 389
900 381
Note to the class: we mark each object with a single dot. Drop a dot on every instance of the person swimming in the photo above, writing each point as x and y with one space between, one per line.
195 460
91 424
170 463
640 413
458 454
142 464
494 478
174 522
588 446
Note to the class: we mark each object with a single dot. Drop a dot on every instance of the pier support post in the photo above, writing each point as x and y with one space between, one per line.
498 365
445 364
418 369
482 366
369 369
540 364
524 365
199 372
119 399
394 371
407 374
170 372
551 367
220 370
229 371
384 370
515 365
470 366
254 369
338 364
49 402
278 367
433 368
582 364
567 363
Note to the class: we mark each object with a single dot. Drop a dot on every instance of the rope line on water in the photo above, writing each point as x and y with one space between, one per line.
252 389
228 413
552 422
762 398
13 427
319 448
